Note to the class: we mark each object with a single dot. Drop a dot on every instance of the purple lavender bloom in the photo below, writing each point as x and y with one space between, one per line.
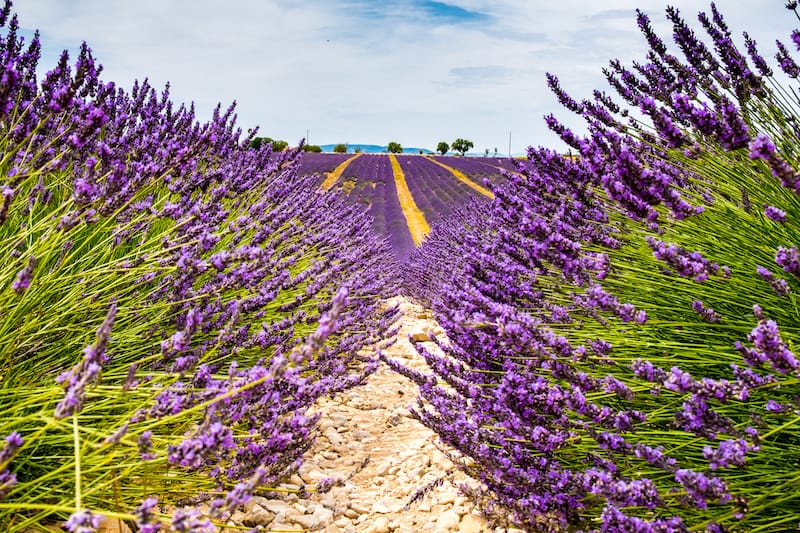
8 194
787 64
7 478
83 522
24 277
779 285
87 371
191 521
758 59
685 264
777 407
775 214
145 520
145 444
728 453
768 346
708 314
789 259
702 489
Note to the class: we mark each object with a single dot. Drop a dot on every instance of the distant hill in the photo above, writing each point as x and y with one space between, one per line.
372 149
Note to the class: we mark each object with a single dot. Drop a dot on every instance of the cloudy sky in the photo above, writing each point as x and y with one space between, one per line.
361 71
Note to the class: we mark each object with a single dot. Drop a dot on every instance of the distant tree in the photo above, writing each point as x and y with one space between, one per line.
312 148
277 146
357 150
442 147
495 151
462 146
340 148
394 148
421 152
486 152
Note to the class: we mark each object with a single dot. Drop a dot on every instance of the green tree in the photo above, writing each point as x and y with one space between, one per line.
486 152
442 147
312 148
461 146
394 148
340 148
277 145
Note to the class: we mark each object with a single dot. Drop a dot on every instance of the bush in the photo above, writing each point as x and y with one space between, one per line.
173 302
394 148
340 149
621 329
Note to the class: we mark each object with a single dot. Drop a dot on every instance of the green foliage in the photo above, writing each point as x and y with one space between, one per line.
340 148
277 145
462 146
312 148
394 148
442 147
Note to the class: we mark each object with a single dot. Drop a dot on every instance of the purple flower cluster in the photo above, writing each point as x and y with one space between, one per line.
685 264
231 261
87 371
8 479
570 418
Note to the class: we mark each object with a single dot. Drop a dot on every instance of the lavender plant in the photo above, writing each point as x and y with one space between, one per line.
173 303
621 334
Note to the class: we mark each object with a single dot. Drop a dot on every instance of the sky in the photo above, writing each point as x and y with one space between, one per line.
415 72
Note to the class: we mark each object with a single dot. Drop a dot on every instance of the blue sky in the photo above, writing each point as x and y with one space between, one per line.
359 71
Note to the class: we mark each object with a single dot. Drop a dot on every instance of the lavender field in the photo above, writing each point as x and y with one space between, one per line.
615 328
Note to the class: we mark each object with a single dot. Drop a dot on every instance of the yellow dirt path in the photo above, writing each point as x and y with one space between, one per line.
414 217
333 177
464 179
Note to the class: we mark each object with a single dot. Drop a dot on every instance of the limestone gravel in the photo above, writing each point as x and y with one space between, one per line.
368 438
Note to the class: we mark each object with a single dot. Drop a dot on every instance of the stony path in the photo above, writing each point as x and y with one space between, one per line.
370 424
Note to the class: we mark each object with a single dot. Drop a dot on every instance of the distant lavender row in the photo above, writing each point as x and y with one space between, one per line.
319 162
479 166
368 180
435 189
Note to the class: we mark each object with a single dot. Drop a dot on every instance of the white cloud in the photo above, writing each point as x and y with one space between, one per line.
360 71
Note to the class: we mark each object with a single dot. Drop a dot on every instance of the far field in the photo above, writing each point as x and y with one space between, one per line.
405 194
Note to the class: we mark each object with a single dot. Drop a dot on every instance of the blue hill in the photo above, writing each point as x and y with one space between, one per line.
373 149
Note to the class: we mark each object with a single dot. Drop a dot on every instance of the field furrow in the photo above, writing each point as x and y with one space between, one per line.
415 219
332 177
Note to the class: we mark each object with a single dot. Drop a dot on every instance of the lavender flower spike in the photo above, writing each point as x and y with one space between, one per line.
24 277
83 522
86 371
327 324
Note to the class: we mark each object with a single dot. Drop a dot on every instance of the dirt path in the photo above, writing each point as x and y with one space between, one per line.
370 424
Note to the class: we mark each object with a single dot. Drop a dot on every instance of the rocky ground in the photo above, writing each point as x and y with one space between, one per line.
385 457
368 437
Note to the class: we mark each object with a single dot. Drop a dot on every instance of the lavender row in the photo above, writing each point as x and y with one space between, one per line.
320 162
621 325
174 301
436 190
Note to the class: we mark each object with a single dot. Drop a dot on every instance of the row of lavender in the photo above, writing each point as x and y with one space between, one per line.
172 303
621 325
368 180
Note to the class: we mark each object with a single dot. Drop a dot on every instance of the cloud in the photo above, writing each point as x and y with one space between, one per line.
479 76
414 71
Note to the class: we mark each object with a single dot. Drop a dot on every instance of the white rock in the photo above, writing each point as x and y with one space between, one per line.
380 525
273 506
448 521
333 436
359 507
472 524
